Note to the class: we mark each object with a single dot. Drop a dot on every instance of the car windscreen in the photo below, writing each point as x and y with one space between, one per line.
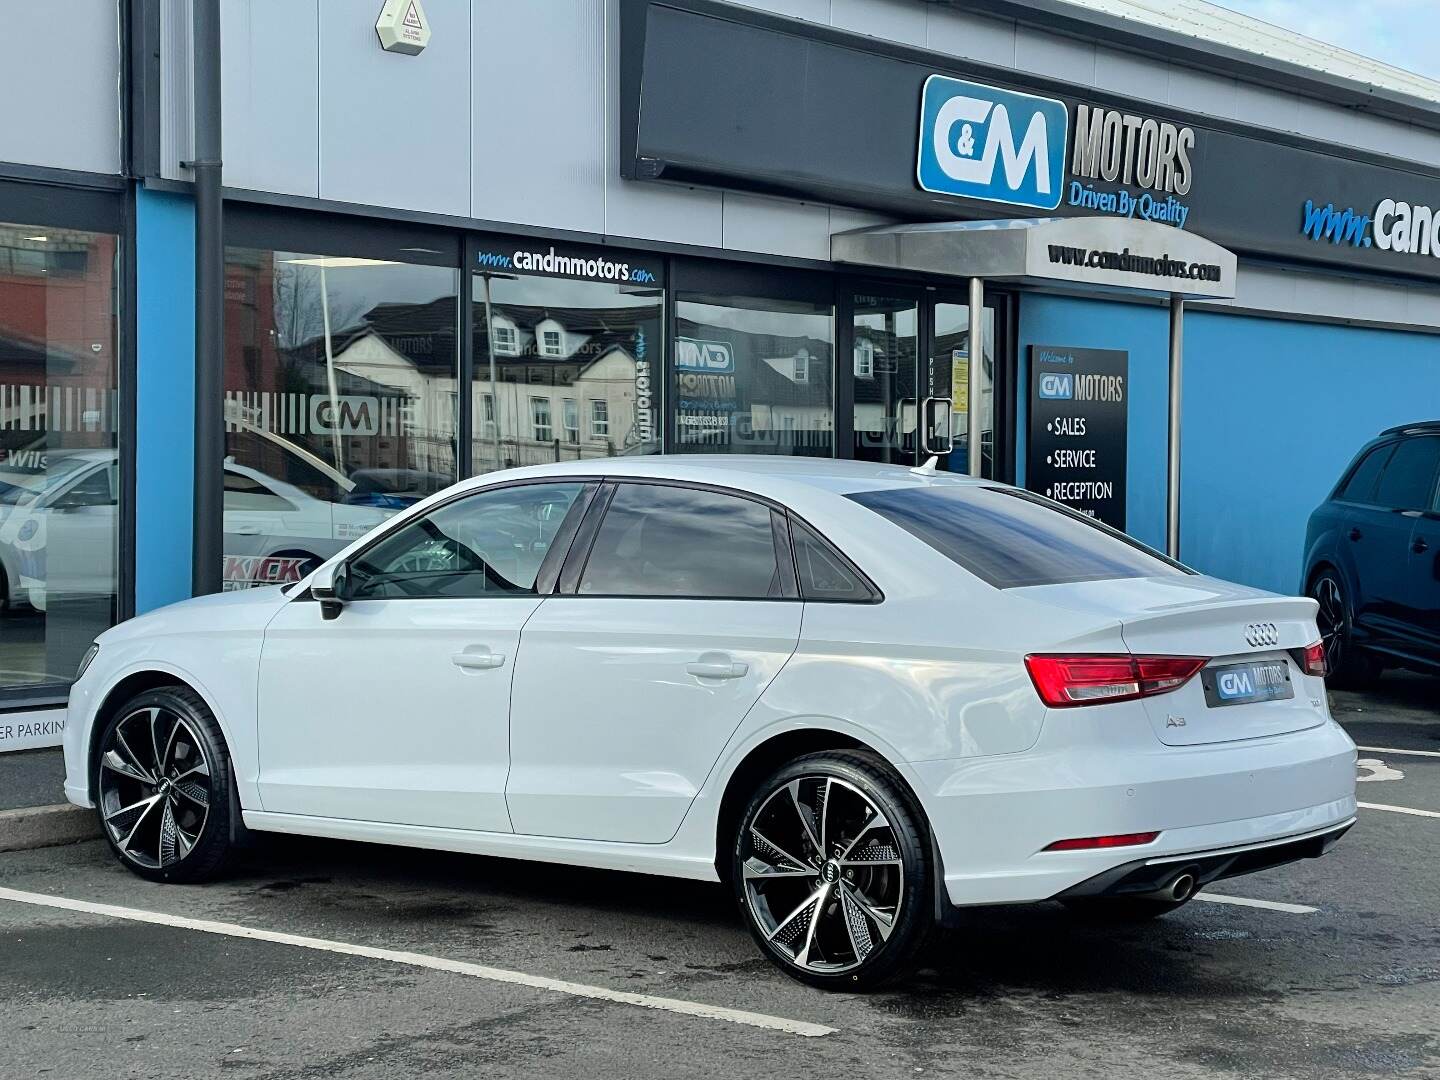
1010 538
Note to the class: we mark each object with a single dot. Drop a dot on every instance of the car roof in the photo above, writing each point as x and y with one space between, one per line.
758 473
1419 427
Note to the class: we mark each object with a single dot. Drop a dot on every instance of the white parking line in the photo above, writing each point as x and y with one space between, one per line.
1399 809
1392 750
1268 905
421 960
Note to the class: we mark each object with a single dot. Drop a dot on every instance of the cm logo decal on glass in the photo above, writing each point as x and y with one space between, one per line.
981 142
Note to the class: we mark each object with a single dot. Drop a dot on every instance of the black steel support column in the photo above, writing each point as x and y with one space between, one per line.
209 304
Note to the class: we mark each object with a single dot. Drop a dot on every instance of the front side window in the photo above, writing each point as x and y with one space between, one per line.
753 375
96 488
59 521
487 544
340 380
1010 538
1408 482
661 540
244 491
540 425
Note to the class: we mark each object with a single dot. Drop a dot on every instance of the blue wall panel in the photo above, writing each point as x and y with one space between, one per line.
1273 412
1142 331
164 397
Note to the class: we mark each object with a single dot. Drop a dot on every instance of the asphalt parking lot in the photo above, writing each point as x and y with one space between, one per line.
526 970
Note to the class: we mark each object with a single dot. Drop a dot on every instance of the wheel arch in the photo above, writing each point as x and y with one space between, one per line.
768 755
129 686
1318 567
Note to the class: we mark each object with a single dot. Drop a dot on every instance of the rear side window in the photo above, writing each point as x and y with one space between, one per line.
1011 538
1360 488
1408 482
825 575
657 540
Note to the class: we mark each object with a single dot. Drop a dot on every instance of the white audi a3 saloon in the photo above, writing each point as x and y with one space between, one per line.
861 695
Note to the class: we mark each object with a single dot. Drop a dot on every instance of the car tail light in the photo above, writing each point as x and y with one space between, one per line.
1092 679
1090 843
1312 660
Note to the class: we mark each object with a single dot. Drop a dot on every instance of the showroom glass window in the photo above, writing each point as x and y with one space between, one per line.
561 334
59 475
753 375
341 380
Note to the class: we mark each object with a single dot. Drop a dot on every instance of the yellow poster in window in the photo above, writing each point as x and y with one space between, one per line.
960 380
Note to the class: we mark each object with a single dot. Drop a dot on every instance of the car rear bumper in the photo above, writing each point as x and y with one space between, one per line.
992 818
1150 876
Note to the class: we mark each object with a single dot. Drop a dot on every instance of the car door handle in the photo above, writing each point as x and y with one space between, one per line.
1356 534
1420 546
477 661
716 667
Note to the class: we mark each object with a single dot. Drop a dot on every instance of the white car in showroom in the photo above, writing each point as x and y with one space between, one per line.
57 534
862 695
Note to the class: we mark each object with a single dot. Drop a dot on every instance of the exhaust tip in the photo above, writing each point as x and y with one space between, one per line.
1183 887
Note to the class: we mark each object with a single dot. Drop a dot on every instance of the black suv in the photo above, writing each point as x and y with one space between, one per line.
1372 558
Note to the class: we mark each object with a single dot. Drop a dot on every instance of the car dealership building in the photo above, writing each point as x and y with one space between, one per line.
1201 261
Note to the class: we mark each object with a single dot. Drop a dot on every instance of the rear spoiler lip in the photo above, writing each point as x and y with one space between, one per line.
1281 610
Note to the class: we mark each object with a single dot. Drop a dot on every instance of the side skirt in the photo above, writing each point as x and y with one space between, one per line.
599 855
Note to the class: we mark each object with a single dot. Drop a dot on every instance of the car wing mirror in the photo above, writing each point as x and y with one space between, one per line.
330 585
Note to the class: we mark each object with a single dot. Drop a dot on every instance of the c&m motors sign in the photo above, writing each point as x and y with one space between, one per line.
981 142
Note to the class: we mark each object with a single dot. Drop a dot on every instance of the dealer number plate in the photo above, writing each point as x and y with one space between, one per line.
1242 684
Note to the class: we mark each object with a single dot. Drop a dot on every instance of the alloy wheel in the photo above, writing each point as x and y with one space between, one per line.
155 787
823 876
1331 620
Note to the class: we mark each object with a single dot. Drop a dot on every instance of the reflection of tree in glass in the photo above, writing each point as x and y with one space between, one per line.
300 306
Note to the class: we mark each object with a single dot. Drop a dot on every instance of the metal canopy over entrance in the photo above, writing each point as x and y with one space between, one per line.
1100 254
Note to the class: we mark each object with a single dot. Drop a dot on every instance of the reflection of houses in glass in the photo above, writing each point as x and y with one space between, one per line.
884 369
752 392
885 379
371 391
567 383
57 363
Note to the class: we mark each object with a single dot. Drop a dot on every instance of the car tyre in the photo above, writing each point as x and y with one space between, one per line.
1350 666
832 871
164 787
1120 909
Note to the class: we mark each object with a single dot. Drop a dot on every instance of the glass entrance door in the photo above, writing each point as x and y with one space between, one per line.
911 379
950 353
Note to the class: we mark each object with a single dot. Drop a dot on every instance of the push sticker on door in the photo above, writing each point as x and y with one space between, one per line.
981 142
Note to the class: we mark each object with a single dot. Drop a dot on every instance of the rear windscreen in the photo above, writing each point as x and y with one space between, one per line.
1012 538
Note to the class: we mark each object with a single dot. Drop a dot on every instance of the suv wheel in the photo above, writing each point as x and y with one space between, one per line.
833 873
163 787
1350 666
